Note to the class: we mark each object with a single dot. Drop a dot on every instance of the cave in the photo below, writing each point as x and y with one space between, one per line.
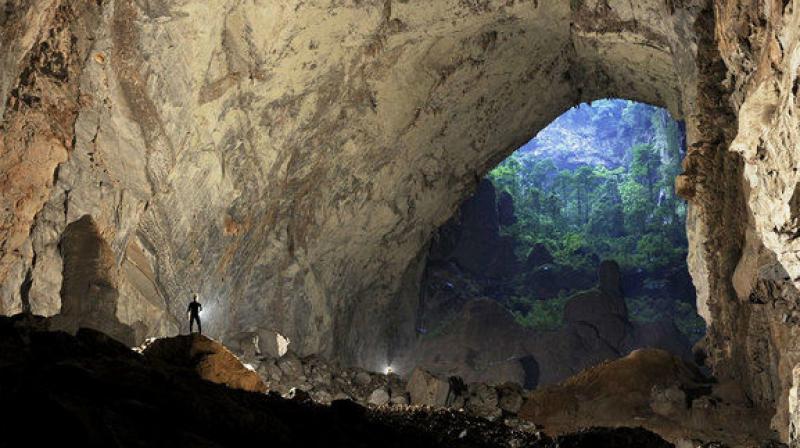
290 162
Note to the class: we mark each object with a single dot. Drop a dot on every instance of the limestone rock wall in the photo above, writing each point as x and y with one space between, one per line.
760 45
289 159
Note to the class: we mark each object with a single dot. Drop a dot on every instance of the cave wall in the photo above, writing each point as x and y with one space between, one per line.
289 173
289 159
758 332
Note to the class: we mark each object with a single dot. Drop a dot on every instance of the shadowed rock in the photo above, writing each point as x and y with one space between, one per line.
655 389
208 358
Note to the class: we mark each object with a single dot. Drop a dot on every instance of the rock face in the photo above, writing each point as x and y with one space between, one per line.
483 343
277 168
292 174
208 358
660 392
472 240
89 292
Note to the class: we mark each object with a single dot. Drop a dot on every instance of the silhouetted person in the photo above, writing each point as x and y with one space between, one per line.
194 314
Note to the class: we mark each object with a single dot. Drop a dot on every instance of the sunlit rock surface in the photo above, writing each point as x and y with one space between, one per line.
289 160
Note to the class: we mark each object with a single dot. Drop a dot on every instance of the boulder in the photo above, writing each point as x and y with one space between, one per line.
363 378
668 401
321 396
601 313
640 388
271 343
425 388
269 371
291 367
509 397
341 396
378 397
245 344
206 357
319 373
399 400
483 401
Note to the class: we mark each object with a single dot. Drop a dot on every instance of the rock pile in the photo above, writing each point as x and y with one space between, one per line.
322 381
656 390
92 390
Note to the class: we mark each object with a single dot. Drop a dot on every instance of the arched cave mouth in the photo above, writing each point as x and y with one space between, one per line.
571 251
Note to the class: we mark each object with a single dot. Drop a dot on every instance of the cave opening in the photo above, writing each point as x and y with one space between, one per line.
572 251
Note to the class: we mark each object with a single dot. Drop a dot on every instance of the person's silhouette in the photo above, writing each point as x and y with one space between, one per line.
194 314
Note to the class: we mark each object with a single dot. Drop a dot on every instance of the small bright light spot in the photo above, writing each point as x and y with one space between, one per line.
283 344
387 370
249 367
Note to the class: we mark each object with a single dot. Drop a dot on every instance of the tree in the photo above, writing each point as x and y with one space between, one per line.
635 205
644 167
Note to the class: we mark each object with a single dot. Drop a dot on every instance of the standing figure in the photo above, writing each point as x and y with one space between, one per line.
194 314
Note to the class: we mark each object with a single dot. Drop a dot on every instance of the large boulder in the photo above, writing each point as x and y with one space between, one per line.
661 334
483 343
291 367
648 388
425 388
509 397
378 397
483 401
209 359
601 313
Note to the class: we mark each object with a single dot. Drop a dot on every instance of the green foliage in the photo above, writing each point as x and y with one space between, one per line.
643 309
542 315
650 309
689 322
584 212
630 214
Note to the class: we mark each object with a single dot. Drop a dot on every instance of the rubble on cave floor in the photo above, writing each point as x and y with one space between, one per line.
649 388
90 390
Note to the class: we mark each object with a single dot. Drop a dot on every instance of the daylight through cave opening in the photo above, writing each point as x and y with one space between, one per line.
514 273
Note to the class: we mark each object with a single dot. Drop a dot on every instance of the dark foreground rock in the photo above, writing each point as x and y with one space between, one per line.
90 390
208 358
